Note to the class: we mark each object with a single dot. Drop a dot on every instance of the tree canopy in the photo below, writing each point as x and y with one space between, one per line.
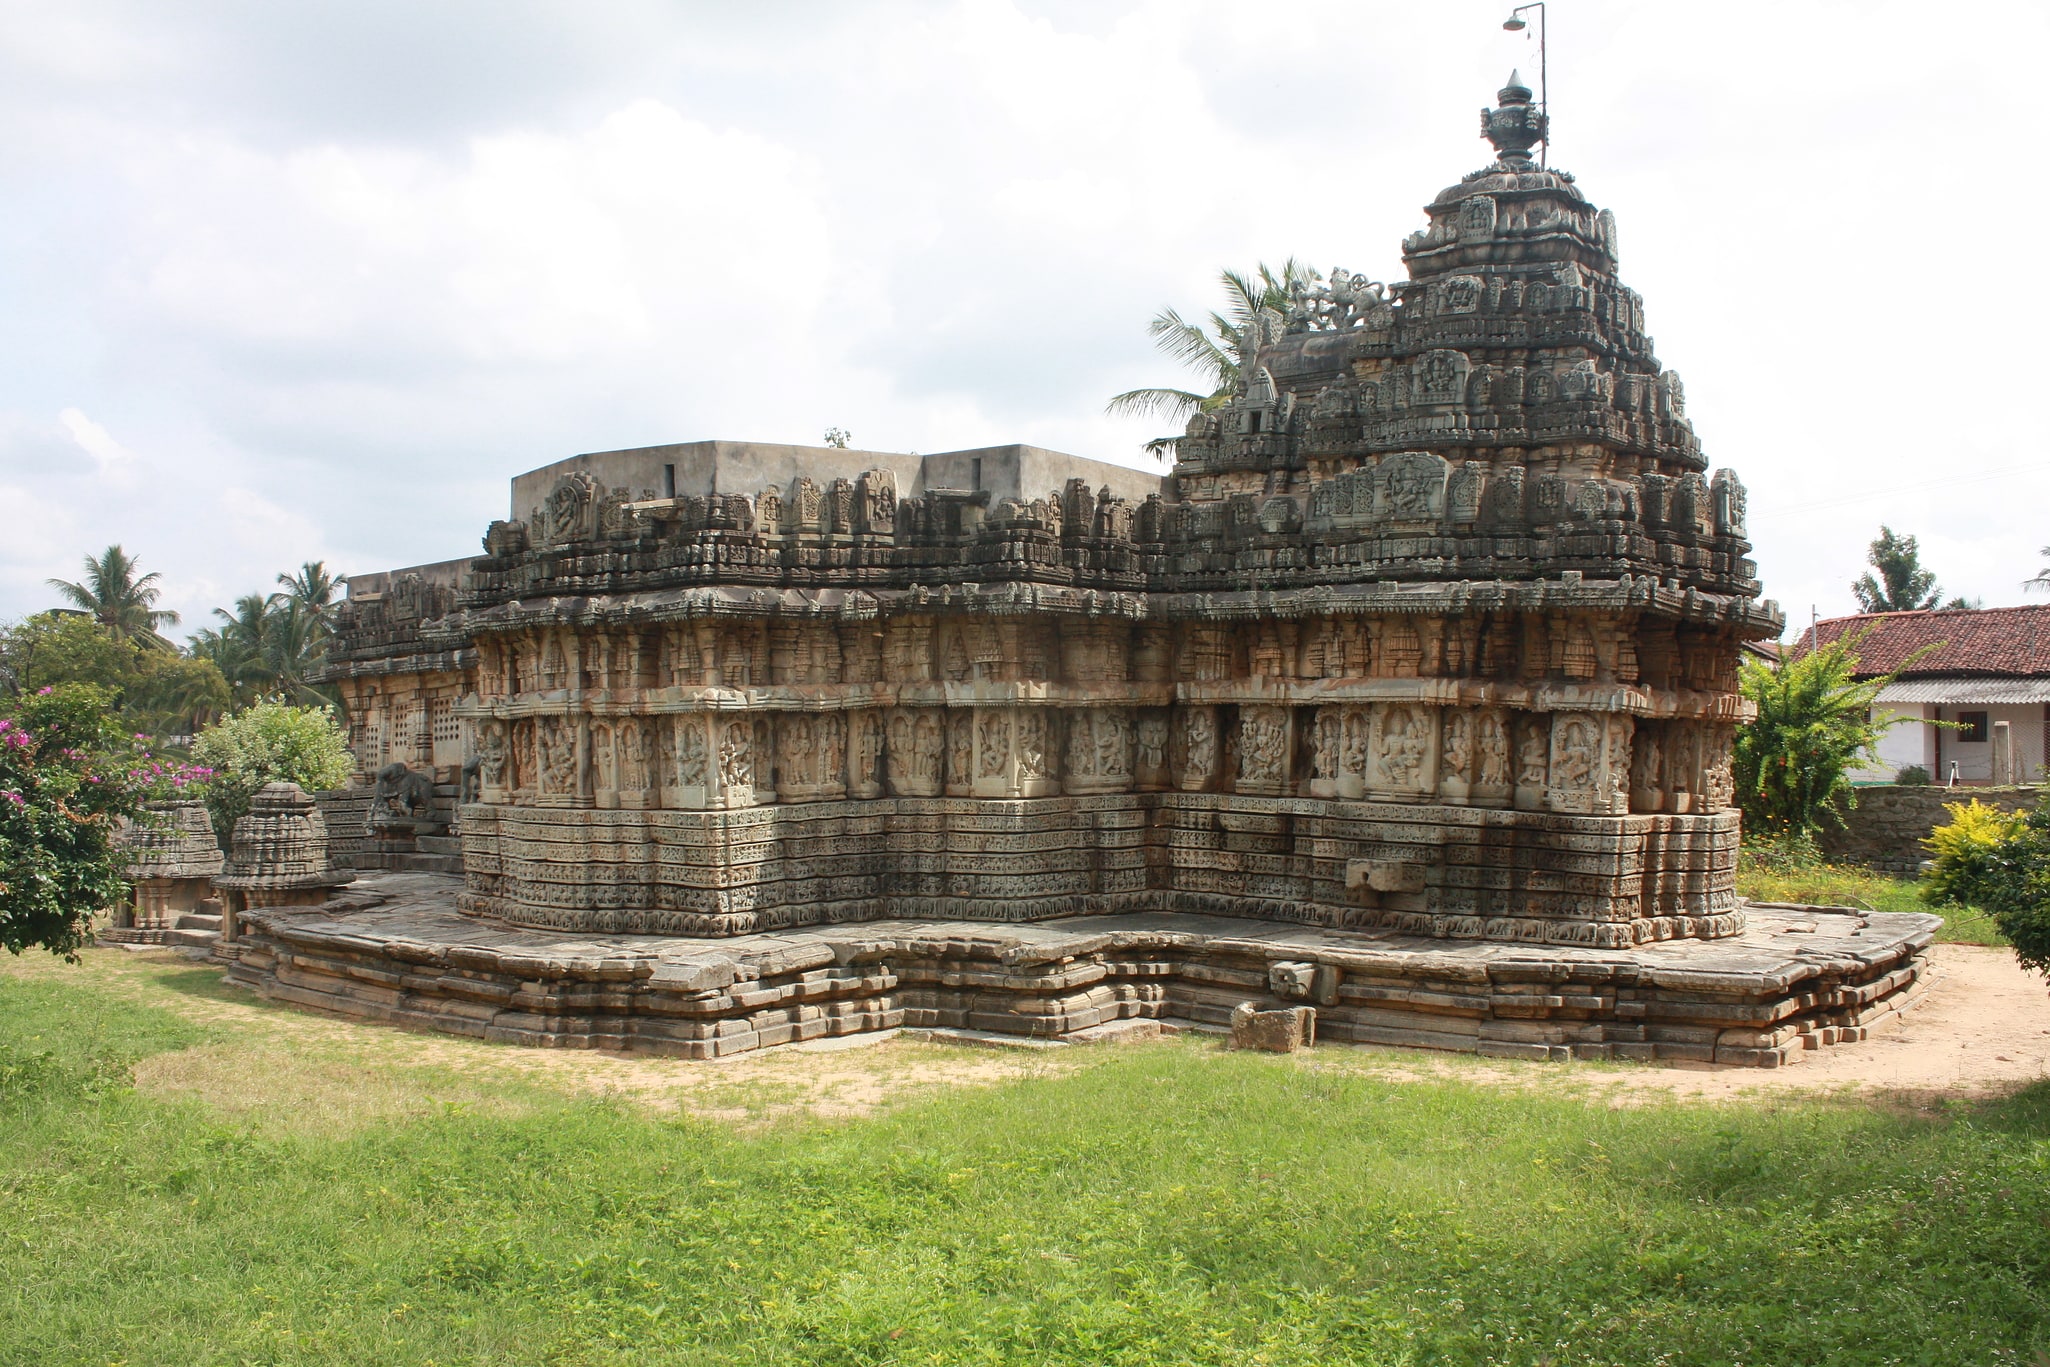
149 689
1901 584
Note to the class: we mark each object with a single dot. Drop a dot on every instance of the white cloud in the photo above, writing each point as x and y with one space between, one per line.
117 463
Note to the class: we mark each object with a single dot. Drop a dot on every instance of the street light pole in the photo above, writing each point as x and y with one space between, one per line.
1516 23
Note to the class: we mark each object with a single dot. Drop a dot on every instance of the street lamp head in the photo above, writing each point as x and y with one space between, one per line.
1515 23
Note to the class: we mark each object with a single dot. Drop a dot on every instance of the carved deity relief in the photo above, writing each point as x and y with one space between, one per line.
1355 733
1718 783
915 760
558 749
797 752
1491 775
1265 739
877 502
960 751
565 514
1456 756
1150 763
640 757
1576 763
693 755
736 760
769 513
493 756
1614 786
1196 749
1326 743
604 774
1533 760
1402 752
1683 765
1035 759
992 742
1099 752
865 755
554 668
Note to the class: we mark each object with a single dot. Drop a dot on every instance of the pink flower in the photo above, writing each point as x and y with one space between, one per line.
43 690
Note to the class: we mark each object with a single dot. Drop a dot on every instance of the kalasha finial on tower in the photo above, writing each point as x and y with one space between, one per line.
1515 125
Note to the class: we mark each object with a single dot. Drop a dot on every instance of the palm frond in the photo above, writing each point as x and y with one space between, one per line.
1174 405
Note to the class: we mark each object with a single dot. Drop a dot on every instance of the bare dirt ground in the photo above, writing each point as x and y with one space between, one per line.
1983 1028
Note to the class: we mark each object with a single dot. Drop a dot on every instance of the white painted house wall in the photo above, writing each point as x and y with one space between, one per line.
1934 748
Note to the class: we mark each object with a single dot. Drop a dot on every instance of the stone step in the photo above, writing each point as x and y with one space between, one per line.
441 844
199 920
195 939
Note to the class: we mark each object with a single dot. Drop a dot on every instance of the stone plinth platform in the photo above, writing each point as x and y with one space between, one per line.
394 948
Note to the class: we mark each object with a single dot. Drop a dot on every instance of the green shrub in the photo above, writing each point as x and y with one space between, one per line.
2016 887
1814 724
1912 776
268 743
1964 849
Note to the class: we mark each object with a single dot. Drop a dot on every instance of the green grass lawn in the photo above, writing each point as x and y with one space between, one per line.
1843 885
330 1192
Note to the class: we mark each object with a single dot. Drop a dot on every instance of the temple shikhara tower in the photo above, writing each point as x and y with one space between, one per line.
1428 641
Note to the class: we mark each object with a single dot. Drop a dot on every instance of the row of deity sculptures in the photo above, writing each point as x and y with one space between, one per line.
1582 762
713 651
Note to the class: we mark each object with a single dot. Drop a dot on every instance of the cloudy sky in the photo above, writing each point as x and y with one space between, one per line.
285 282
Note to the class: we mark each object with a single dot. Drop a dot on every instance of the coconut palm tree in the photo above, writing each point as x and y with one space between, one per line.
2041 578
268 647
313 589
1217 348
119 599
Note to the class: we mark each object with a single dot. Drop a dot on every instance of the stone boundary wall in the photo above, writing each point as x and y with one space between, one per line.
1886 829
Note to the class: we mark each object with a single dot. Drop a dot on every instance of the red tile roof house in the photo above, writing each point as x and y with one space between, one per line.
1989 671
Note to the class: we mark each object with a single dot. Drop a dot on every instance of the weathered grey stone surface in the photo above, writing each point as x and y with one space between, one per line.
278 856
394 948
1886 829
172 859
1432 628
1274 1030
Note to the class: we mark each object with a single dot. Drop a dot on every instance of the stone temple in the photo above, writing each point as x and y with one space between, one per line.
1408 692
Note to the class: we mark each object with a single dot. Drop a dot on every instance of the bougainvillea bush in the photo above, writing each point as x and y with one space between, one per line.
68 777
